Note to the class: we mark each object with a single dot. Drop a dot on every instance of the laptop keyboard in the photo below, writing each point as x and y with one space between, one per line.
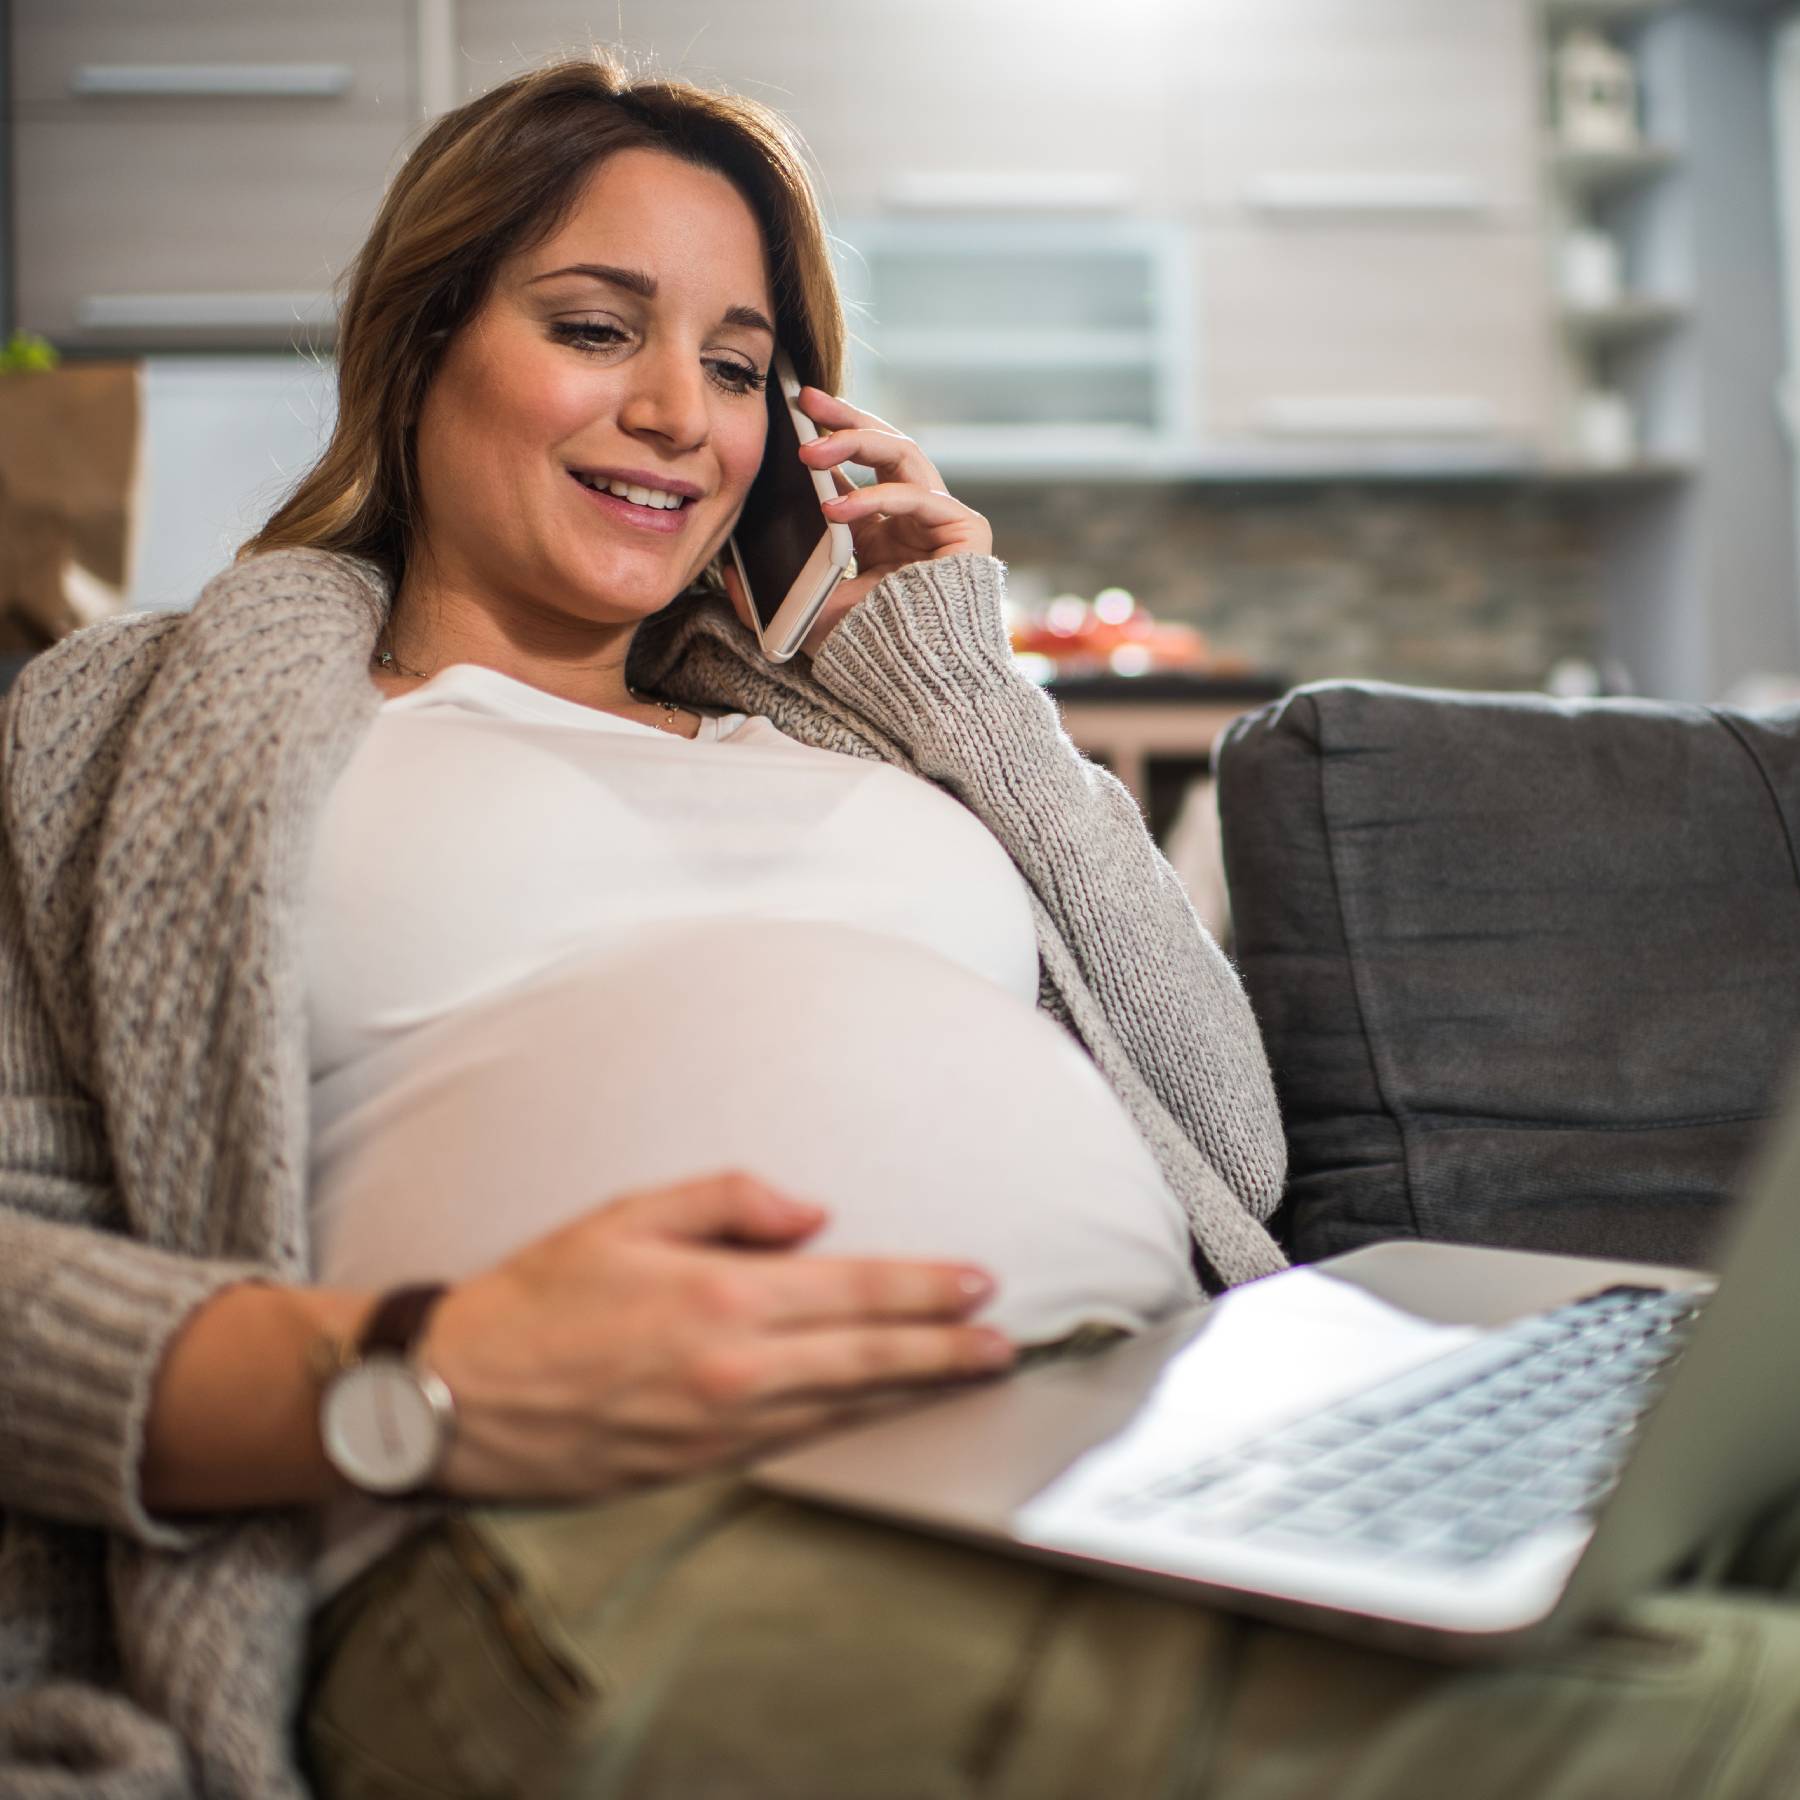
1456 1460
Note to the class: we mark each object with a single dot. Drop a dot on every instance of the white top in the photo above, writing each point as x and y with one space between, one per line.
560 829
668 957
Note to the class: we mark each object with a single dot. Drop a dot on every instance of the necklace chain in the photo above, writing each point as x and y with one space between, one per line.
386 660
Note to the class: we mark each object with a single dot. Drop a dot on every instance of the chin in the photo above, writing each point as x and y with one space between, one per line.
627 600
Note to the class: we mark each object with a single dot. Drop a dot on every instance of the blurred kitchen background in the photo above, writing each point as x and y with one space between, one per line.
1438 341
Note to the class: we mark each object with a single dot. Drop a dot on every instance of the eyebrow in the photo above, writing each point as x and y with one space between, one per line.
635 281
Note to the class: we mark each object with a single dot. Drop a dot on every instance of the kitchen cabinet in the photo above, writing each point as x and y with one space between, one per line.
996 338
1363 187
791 56
54 40
913 107
1373 333
1344 197
199 174
1410 107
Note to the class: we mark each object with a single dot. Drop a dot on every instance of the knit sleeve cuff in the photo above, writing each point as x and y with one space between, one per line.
927 636
84 1323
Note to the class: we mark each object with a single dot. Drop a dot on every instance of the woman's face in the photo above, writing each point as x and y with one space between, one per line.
627 350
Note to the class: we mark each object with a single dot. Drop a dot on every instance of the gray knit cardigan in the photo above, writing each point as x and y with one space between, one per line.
160 775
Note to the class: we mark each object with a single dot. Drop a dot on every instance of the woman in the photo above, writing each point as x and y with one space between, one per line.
477 653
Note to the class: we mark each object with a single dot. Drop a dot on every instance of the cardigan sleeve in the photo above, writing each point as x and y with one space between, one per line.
86 1311
925 657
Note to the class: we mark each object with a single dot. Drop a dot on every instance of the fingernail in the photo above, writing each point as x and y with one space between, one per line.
976 1284
992 1350
839 501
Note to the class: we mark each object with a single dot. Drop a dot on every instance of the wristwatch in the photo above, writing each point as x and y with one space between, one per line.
385 1420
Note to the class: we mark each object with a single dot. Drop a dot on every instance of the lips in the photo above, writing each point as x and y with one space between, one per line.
640 485
663 521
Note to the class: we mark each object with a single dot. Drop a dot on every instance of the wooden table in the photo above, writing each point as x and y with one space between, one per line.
1156 732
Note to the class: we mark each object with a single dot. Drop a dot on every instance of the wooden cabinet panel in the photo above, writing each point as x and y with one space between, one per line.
51 39
897 103
195 206
1037 99
118 196
1413 93
788 56
1324 333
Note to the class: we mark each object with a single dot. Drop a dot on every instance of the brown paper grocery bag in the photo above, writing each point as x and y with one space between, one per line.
69 466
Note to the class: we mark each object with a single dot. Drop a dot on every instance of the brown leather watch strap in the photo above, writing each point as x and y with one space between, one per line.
399 1318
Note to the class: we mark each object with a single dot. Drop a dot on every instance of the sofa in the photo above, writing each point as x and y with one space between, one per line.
1528 970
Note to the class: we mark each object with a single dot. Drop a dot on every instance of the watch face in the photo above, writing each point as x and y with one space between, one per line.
384 1425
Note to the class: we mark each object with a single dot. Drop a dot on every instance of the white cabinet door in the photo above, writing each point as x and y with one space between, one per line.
199 172
1010 104
54 41
1408 105
1368 334
934 104
790 56
190 232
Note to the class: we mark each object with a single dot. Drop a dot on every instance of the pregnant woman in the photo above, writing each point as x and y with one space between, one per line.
482 1052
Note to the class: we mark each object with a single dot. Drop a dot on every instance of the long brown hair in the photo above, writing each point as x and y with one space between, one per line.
495 177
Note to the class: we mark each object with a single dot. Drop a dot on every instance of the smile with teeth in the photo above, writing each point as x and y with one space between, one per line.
638 496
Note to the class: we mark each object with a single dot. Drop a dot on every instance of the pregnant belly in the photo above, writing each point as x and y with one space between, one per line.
925 1108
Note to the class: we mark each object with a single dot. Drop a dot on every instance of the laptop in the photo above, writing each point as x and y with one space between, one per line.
1454 1451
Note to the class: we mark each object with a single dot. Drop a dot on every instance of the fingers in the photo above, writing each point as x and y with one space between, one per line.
848 1362
887 452
731 1207
903 500
837 414
743 1379
798 1293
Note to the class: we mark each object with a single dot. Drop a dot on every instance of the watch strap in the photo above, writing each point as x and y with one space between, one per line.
398 1321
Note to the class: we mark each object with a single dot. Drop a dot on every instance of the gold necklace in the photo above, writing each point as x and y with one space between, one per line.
671 712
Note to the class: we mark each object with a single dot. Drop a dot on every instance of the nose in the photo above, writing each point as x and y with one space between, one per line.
666 399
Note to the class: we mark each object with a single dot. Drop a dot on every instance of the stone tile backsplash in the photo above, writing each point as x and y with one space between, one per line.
1485 586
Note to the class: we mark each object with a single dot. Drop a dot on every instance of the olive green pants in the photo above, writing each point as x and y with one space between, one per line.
707 1642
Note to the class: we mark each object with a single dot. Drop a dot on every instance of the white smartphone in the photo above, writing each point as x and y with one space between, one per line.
788 555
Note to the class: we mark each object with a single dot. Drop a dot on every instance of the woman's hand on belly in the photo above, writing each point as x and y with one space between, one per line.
668 1332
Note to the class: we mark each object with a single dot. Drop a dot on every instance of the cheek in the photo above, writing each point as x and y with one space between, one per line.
741 443
536 405
521 398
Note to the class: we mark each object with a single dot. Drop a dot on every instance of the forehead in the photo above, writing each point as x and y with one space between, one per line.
688 228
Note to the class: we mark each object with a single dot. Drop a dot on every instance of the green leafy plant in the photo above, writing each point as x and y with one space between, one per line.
27 353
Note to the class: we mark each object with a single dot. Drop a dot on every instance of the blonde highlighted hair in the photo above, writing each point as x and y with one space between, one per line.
495 177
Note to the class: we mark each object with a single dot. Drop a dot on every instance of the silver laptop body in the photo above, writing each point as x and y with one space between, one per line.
1452 1450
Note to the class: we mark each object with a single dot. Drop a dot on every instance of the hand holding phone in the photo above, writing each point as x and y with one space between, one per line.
787 555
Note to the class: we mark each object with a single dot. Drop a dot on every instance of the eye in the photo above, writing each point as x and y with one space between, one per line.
736 377
587 334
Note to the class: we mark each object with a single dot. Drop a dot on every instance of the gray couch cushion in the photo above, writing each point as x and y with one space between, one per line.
1529 970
